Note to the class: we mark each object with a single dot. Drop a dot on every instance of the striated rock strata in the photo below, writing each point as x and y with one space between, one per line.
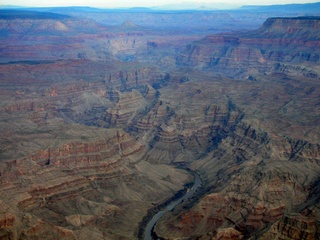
80 186
283 45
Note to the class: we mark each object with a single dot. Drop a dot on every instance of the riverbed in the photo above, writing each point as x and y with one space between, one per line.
170 206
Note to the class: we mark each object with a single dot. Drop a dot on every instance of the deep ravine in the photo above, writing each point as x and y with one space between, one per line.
148 232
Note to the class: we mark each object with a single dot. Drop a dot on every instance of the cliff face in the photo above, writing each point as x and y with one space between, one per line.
37 38
84 183
122 113
250 166
251 190
34 38
100 158
60 176
285 42
295 227
303 28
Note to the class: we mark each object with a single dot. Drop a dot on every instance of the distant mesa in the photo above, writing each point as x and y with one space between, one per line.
196 6
140 9
285 8
36 23
286 40
129 25
23 14
294 27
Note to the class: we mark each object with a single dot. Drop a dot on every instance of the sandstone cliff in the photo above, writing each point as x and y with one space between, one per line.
281 45
81 183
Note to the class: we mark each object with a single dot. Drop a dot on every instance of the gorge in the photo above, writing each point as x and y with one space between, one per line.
148 231
98 113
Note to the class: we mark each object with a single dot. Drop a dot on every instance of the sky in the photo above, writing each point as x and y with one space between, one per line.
138 3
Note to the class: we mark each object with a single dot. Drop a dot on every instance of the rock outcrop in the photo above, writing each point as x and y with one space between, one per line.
300 28
78 184
129 104
281 45
250 195
293 227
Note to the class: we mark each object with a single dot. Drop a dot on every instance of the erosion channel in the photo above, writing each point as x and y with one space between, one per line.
148 233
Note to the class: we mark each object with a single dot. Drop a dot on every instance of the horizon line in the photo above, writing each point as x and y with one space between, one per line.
159 7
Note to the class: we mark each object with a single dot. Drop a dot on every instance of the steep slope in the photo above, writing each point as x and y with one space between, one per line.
254 186
59 176
261 178
282 45
78 184
303 28
39 36
44 36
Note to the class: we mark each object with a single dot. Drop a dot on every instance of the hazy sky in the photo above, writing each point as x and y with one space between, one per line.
138 3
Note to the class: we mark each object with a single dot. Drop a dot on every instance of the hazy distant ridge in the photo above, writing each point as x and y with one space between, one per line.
303 7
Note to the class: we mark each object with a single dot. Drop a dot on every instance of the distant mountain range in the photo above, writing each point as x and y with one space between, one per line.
202 6
197 6
307 7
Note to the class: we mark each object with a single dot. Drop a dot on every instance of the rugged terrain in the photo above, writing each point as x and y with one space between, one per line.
94 120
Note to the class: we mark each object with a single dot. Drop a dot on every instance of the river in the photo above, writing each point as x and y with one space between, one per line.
171 205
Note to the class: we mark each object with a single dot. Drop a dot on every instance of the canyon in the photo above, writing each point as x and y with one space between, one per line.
98 123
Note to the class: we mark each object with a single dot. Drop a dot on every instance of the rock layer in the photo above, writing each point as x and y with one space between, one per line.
78 184
279 45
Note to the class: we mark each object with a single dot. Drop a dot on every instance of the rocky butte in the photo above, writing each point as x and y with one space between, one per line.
98 124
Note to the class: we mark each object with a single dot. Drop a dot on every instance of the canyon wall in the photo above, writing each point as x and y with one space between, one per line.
90 140
80 184
288 45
